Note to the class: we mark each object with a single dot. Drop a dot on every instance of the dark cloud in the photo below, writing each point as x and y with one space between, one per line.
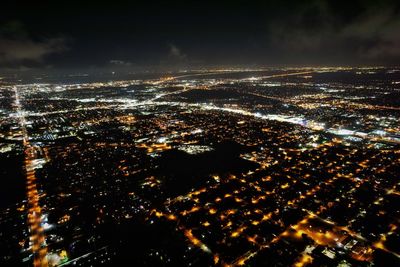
15 51
319 33
17 48
378 34
178 34
173 58
119 62
176 53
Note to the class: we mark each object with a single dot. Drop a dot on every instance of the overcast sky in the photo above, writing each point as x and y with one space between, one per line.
189 34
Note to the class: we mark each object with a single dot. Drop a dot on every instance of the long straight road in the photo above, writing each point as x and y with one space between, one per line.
37 236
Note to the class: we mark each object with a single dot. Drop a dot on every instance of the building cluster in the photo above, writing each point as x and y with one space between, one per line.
254 168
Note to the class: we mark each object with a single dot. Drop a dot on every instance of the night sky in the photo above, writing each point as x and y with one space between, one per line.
49 35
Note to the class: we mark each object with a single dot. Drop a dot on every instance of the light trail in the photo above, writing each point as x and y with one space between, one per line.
172 78
37 236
